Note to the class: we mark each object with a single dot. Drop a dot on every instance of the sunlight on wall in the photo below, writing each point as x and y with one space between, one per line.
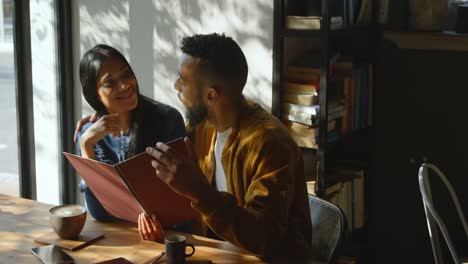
148 33
250 23
102 22
43 50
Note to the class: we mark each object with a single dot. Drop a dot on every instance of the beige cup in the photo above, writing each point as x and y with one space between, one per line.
67 220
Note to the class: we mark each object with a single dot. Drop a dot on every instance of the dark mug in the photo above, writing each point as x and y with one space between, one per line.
175 249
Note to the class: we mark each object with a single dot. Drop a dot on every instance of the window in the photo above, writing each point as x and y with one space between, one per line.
45 99
9 173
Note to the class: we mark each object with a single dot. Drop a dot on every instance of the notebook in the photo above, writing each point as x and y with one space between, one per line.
130 187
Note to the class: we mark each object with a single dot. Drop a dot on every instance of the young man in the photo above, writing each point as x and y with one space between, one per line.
248 184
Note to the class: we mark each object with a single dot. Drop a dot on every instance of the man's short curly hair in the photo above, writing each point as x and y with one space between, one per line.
221 60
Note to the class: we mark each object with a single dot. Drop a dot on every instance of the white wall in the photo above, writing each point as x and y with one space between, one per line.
148 33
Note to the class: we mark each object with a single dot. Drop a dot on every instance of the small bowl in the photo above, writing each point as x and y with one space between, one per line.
67 220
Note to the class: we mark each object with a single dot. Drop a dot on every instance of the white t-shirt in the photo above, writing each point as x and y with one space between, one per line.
220 177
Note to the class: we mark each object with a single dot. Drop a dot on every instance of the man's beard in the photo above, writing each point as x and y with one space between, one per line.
196 114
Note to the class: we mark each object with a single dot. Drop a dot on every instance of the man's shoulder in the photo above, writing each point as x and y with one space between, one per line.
265 129
258 120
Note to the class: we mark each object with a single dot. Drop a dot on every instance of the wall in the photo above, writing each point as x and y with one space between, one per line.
420 100
148 33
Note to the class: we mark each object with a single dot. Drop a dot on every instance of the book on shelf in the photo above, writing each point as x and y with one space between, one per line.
300 98
130 187
306 136
347 120
305 130
306 120
329 190
336 114
305 141
303 135
364 15
301 88
301 109
312 22
335 106
304 75
351 199
313 110
344 65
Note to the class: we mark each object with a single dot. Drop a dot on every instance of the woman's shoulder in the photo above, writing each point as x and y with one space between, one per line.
84 128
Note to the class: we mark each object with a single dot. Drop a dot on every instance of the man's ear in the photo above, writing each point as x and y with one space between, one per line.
212 96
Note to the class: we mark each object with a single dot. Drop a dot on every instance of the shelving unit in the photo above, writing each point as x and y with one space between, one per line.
279 33
356 41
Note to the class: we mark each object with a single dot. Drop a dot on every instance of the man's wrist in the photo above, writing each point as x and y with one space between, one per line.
207 200
203 190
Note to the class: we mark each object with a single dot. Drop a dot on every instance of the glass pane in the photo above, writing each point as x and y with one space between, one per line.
9 179
44 77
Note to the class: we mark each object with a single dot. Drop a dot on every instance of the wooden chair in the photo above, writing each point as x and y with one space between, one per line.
328 225
434 221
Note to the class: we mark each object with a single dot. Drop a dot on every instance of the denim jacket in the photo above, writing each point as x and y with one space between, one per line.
112 150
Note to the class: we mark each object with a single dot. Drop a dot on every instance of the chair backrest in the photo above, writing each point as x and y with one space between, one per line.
434 221
328 225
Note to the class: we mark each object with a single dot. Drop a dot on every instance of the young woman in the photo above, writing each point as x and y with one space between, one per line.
128 121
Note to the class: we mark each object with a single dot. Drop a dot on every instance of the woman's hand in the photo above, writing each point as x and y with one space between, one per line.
150 228
108 124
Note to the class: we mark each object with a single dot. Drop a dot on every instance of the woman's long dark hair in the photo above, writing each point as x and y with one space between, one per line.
142 133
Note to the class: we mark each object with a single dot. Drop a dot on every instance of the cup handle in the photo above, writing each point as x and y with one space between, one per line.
193 250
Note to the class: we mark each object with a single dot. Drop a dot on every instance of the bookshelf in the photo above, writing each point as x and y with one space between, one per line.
358 42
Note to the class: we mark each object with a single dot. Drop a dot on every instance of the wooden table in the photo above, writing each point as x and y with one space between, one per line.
22 220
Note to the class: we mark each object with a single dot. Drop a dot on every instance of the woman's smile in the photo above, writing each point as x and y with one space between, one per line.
127 95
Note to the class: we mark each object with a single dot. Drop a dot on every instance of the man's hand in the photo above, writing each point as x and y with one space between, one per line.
150 228
80 124
181 174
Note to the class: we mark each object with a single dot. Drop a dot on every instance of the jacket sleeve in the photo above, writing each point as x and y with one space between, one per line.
260 224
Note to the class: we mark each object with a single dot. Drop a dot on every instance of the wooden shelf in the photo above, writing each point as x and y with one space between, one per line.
447 40
355 32
304 33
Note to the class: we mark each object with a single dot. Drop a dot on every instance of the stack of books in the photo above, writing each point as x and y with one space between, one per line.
300 104
312 22
301 109
346 190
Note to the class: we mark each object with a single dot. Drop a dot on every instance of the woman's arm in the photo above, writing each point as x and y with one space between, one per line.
95 208
108 124
86 148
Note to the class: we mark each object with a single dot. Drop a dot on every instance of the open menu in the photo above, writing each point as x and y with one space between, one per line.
130 187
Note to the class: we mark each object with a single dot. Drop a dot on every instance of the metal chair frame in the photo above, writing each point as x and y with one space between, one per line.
433 218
